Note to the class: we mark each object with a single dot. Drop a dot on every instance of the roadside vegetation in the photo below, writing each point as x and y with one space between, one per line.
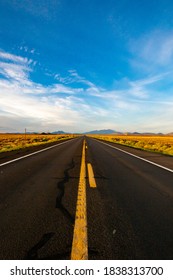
159 144
11 142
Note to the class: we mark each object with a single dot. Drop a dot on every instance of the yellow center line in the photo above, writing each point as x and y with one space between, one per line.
92 181
80 238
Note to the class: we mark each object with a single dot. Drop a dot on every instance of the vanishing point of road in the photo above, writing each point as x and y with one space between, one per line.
86 199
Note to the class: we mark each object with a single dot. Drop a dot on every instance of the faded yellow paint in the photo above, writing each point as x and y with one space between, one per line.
92 181
80 238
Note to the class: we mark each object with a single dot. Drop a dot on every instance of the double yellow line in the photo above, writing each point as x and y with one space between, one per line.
80 237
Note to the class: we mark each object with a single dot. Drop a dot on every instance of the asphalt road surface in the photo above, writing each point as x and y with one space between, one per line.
129 210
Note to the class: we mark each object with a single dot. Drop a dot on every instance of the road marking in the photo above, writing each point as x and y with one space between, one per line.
92 181
80 238
34 153
146 160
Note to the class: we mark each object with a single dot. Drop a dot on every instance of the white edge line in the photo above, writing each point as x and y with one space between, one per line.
37 152
151 162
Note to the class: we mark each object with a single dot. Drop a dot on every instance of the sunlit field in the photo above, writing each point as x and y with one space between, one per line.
11 142
160 144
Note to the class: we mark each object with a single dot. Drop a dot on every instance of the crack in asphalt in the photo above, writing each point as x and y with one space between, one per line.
61 189
32 254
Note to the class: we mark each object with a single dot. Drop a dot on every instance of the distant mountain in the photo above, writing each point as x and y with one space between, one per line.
103 131
59 132
144 133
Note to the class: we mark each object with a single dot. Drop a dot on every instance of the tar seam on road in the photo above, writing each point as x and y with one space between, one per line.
80 239
29 155
92 181
146 160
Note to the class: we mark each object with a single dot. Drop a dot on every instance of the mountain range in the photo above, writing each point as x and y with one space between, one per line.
110 131
103 131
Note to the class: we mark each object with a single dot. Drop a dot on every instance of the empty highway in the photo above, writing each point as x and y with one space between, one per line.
121 197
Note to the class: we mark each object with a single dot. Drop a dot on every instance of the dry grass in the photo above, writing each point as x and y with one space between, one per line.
160 144
11 142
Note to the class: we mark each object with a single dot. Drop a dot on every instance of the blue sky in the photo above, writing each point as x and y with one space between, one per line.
80 65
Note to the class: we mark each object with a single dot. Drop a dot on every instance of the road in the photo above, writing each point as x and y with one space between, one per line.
129 205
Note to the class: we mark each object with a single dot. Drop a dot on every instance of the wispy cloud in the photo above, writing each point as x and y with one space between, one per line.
152 50
16 70
40 8
51 106
74 103
73 77
12 57
158 48
27 50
